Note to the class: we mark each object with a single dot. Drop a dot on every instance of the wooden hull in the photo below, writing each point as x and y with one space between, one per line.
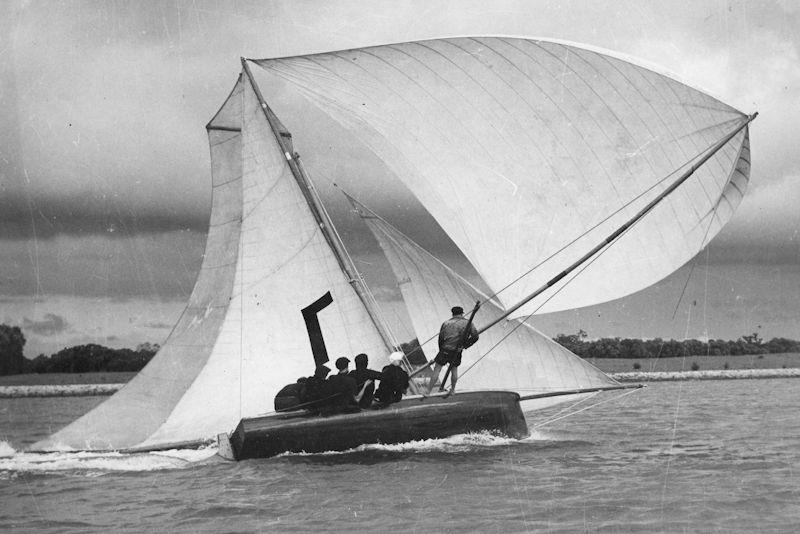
411 419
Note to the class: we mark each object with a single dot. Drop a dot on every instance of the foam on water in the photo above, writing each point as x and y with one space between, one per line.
97 463
6 449
453 444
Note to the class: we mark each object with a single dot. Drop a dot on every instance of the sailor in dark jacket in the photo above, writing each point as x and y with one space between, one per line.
365 380
317 390
394 380
343 389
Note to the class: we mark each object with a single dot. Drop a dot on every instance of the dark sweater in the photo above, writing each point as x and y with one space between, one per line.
394 383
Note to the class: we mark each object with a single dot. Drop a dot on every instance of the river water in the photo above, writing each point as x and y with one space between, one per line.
704 456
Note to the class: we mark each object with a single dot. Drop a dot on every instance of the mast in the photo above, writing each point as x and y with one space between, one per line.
619 231
321 215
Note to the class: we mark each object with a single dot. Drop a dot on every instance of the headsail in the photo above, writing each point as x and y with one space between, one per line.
243 335
543 140
512 355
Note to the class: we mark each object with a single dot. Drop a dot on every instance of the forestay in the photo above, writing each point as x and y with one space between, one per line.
510 356
243 335
518 147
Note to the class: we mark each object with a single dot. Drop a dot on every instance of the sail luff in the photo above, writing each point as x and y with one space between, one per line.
321 215
610 239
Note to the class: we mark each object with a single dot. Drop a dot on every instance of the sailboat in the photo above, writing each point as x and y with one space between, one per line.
567 176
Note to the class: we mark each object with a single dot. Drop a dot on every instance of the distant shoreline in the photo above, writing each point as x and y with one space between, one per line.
718 374
90 390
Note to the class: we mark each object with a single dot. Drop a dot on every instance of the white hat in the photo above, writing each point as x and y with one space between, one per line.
396 357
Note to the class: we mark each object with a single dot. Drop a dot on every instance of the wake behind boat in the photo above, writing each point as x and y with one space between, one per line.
589 186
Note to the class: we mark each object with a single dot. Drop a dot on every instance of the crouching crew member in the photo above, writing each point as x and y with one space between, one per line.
317 391
343 389
365 380
394 380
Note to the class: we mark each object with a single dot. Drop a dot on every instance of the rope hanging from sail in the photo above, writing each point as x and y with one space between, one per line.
570 414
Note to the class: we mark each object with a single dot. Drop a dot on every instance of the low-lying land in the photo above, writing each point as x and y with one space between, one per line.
786 360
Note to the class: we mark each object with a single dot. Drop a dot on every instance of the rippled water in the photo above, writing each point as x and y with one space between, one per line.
713 456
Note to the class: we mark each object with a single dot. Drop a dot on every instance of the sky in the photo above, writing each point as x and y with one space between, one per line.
104 162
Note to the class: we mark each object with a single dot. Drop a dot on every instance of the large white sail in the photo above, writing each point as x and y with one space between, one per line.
243 335
511 355
518 147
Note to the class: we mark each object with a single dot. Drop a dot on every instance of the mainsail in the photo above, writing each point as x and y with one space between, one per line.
243 335
517 147
512 356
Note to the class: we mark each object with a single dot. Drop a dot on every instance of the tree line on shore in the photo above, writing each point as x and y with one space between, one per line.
89 358
97 358
660 348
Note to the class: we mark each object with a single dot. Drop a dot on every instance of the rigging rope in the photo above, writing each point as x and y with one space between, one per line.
609 216
554 419
522 321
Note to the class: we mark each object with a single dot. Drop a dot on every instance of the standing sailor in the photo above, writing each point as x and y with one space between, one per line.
394 380
455 335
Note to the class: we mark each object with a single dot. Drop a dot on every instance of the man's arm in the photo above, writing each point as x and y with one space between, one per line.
472 337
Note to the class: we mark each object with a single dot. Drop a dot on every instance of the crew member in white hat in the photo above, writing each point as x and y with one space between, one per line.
394 380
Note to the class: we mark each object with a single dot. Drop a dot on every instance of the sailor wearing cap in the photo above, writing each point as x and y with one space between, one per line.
456 334
365 380
343 388
316 390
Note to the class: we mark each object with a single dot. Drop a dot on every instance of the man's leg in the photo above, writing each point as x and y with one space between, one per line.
436 369
454 379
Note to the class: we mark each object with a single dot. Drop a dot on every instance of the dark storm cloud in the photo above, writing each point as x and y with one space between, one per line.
41 218
50 325
157 265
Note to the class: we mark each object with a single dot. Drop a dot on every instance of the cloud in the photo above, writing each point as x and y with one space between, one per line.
158 265
51 325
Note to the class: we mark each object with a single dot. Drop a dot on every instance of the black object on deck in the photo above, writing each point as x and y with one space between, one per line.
411 419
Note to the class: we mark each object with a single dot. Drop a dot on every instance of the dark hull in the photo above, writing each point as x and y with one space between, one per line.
410 419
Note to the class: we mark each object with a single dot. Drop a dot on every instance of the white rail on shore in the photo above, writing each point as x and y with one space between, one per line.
717 374
67 390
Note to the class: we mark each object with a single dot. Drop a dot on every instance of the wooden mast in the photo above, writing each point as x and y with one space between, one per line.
320 215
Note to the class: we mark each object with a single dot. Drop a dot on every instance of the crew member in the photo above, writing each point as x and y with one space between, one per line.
394 380
343 388
317 390
365 380
452 340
